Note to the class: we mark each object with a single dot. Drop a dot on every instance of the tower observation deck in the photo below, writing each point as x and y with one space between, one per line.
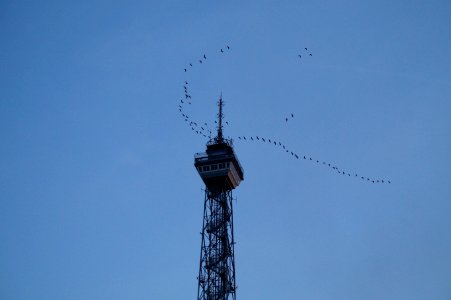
221 172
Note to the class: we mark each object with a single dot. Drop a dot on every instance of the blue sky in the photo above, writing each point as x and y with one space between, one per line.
99 198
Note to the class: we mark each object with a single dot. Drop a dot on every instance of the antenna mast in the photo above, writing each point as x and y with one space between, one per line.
219 138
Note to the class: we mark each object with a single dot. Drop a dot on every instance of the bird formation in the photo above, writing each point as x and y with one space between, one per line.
304 53
203 129
291 116
204 58
295 155
199 128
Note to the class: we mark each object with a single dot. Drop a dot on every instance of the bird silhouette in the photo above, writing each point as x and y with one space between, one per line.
305 48
310 54
292 115
205 57
190 65
185 70
300 56
286 119
200 61
222 51
228 47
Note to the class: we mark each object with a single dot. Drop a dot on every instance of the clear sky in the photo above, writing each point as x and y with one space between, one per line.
99 198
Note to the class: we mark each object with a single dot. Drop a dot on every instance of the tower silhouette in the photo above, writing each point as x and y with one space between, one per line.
221 172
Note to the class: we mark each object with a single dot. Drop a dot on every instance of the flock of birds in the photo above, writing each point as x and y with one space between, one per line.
203 129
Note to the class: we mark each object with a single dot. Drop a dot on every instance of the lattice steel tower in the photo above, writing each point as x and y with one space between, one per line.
221 172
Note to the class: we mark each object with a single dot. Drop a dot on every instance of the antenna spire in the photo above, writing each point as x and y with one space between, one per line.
220 138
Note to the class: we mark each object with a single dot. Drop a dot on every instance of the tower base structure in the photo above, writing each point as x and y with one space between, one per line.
217 260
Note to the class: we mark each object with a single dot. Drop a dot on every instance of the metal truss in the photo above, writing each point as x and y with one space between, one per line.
216 279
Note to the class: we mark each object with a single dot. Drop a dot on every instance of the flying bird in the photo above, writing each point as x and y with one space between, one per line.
222 51
185 70
205 57
299 56
228 47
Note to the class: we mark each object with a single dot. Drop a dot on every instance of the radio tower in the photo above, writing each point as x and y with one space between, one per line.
221 172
